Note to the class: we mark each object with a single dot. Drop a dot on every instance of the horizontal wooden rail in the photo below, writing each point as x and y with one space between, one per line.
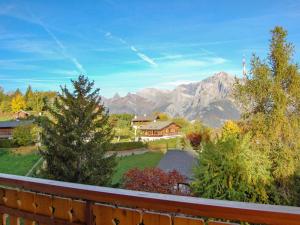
236 211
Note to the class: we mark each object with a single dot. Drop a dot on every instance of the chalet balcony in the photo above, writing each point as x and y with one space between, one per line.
30 201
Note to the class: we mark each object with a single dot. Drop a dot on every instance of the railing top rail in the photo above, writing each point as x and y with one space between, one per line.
250 212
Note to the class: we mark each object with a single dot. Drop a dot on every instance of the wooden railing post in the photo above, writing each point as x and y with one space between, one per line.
89 216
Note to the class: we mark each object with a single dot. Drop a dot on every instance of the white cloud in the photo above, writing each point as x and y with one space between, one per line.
29 46
218 60
73 59
140 54
146 59
133 49
66 72
11 11
201 62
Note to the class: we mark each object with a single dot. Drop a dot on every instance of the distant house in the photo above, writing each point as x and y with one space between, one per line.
6 127
21 114
159 130
138 121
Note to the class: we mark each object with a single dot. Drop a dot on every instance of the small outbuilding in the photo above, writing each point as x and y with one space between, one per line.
6 127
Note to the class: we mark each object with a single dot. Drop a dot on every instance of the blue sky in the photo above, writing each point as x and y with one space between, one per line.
128 45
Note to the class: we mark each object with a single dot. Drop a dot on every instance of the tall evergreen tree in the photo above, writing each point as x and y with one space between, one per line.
271 100
5 101
29 98
77 136
17 92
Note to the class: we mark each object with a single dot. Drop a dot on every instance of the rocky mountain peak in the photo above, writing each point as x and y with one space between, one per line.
208 100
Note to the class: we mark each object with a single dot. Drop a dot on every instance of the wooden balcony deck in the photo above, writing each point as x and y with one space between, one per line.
31 201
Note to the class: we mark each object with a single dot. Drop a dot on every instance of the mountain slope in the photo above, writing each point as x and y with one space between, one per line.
208 100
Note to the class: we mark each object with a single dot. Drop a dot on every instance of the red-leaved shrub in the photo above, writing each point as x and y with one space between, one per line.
195 138
155 180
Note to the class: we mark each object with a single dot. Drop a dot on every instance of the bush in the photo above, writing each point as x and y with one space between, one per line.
196 138
123 146
231 169
154 180
25 135
7 143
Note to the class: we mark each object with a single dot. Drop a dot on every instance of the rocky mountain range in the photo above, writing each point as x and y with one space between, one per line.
209 100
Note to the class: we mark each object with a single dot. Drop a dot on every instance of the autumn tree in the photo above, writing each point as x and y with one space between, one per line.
270 97
122 125
162 116
230 128
18 103
77 136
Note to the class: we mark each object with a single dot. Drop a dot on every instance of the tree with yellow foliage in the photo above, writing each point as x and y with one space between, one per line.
18 103
270 99
230 128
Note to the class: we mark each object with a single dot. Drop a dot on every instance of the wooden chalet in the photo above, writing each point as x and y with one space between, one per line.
159 129
6 127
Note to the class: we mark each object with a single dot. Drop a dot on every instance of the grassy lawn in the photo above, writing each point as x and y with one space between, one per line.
149 159
5 118
164 144
13 162
16 163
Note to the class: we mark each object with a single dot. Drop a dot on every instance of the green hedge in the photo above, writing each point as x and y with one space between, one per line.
122 146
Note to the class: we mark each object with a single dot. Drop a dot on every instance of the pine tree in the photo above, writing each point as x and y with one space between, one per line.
77 136
29 98
17 92
271 100
5 101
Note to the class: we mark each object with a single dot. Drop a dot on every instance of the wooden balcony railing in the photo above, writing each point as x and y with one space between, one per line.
31 201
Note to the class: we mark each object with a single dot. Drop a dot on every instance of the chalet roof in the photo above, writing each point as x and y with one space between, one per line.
144 118
14 123
158 125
